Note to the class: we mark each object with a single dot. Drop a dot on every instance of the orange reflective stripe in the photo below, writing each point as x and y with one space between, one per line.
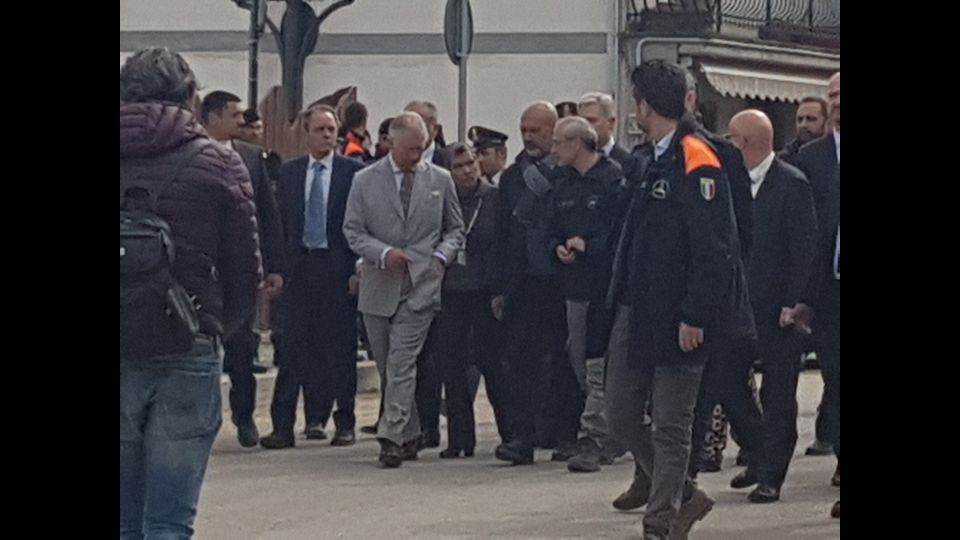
698 154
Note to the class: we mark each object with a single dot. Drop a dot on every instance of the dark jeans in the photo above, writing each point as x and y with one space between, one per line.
469 334
662 453
240 352
170 412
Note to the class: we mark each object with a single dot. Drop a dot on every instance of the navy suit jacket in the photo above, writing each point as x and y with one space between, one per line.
290 198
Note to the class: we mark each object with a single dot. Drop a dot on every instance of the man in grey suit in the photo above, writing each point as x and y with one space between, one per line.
403 218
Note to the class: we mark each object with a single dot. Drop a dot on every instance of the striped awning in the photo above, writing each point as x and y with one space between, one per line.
761 84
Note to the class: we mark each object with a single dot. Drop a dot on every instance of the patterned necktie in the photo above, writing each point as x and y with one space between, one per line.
315 213
406 188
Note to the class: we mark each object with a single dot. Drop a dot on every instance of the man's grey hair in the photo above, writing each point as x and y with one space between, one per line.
576 127
406 121
315 108
605 101
420 103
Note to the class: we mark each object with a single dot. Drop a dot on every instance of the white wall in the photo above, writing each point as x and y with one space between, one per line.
499 86
378 16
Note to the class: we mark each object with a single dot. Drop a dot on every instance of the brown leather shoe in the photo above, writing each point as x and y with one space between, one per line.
691 511
835 511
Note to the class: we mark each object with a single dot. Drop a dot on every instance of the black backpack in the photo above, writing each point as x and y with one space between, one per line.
157 315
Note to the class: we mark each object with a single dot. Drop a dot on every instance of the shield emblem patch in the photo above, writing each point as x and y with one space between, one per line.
708 188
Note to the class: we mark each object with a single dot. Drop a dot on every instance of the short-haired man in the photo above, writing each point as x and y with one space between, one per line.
221 115
811 124
582 208
170 409
676 259
319 321
404 220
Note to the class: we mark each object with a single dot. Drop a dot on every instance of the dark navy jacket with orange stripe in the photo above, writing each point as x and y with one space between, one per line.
678 256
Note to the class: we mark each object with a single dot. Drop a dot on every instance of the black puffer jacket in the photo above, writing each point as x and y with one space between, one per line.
209 207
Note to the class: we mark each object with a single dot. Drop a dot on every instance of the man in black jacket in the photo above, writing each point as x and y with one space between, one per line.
675 272
785 237
221 115
582 209
820 161
466 327
528 295
811 125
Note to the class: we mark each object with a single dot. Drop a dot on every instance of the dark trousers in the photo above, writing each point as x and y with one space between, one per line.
319 347
726 381
239 354
780 353
429 381
467 333
827 324
535 327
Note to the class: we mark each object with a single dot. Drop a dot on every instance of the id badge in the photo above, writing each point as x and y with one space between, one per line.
462 258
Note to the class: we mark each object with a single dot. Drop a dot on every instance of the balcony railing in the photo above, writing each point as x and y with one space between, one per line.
819 18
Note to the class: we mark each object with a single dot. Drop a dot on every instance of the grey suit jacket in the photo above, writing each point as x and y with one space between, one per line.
374 221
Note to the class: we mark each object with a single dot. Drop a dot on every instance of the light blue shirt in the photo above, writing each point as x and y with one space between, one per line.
836 139
327 163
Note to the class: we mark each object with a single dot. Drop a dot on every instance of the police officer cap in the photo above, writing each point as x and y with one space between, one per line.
482 138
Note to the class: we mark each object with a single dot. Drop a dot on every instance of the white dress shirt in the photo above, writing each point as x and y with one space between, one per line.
428 153
495 179
663 145
607 148
836 139
759 173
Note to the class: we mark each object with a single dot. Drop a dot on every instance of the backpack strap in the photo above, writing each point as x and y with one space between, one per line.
132 171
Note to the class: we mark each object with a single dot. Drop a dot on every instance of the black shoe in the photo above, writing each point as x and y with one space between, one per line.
315 433
764 494
344 438
453 453
429 439
587 458
835 511
516 452
409 451
835 481
743 458
819 449
277 442
745 479
563 453
248 435
391 455
369 430
259 368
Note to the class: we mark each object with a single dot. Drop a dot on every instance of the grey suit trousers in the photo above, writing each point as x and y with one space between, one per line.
396 342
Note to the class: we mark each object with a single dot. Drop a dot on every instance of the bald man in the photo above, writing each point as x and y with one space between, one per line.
820 161
528 297
784 247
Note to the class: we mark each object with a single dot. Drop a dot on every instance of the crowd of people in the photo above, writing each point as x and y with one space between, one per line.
612 300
